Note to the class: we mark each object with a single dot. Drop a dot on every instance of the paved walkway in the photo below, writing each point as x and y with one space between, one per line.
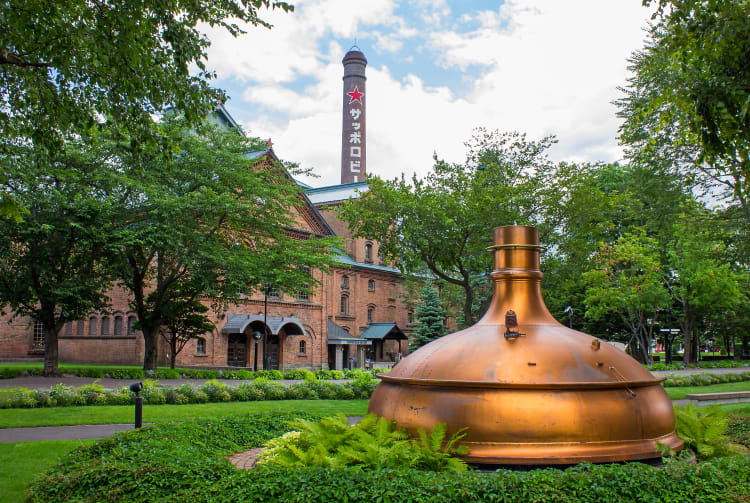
77 432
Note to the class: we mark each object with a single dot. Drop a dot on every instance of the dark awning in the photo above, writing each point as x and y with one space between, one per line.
237 323
383 331
337 335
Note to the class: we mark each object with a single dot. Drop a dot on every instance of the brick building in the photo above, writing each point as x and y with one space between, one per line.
357 313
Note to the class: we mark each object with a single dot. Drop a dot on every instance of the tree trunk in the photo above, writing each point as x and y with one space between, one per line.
150 347
689 356
468 302
173 348
51 352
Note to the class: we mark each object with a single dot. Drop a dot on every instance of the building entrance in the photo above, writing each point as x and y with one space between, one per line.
274 352
237 350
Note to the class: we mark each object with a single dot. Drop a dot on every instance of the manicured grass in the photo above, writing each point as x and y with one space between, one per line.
677 393
106 414
22 460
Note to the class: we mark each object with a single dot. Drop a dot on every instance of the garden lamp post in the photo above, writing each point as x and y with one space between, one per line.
136 388
569 310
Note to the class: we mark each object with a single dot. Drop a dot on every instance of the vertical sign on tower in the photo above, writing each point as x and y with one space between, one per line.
353 144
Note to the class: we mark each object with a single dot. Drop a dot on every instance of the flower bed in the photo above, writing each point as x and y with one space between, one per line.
703 379
187 462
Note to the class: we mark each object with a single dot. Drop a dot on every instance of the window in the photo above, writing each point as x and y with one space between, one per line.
131 325
381 256
302 347
344 282
105 326
344 304
410 316
371 285
272 291
368 252
370 310
80 329
69 328
200 346
92 326
37 338
118 325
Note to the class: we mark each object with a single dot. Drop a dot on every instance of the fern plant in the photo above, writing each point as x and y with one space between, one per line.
373 443
436 454
703 430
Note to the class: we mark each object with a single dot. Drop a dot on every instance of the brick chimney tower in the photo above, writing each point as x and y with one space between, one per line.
353 137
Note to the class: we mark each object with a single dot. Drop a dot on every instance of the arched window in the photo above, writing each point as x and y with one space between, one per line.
200 346
344 282
371 285
79 329
69 328
368 252
302 347
118 325
131 325
370 310
344 304
105 325
92 326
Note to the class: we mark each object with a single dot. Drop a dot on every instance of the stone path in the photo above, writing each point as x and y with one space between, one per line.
246 460
77 432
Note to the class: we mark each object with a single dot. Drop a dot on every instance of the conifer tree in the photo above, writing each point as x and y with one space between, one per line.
430 318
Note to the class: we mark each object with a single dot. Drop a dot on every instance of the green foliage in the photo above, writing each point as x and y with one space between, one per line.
430 318
303 374
186 462
374 443
440 225
704 379
703 430
738 430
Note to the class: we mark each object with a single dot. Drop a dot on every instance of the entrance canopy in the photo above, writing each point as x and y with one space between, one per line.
237 323
337 335
384 331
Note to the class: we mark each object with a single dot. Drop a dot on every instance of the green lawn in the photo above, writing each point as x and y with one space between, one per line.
680 392
106 414
22 460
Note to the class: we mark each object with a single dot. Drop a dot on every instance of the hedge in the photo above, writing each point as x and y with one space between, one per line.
61 395
720 364
114 372
188 462
703 379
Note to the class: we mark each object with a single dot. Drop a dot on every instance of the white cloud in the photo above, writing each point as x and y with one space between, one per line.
539 66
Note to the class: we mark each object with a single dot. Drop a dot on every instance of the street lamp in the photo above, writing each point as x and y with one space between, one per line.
257 335
569 310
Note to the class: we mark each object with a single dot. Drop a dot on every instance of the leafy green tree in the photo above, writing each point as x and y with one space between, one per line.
443 222
54 265
208 222
430 318
67 62
703 284
692 88
184 320
628 282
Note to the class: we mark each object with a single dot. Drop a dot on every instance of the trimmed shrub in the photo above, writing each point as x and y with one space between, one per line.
166 374
187 462
299 374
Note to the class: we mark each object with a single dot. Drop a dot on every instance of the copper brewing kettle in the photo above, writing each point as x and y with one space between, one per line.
530 390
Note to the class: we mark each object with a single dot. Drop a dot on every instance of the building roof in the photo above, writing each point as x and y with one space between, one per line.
334 193
346 260
337 335
237 323
384 331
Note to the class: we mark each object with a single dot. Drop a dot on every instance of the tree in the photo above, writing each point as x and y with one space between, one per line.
54 264
65 63
184 320
443 222
628 281
700 281
430 318
693 80
207 222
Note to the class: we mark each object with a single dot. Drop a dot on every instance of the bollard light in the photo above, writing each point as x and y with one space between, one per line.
136 388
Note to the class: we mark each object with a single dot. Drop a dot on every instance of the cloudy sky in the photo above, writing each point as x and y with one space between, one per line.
436 70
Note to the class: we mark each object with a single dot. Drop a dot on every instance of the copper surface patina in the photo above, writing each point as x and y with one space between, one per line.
530 390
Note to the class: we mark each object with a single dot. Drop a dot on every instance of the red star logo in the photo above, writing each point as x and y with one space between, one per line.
355 96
